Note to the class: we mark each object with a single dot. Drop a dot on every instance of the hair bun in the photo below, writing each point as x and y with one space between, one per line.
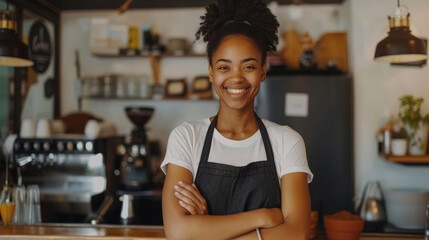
254 12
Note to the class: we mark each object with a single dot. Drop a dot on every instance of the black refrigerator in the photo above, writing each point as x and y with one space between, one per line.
320 108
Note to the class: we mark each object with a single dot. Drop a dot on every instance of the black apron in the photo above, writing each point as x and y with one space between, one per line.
229 189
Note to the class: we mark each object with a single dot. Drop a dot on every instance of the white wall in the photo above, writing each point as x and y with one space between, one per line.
378 87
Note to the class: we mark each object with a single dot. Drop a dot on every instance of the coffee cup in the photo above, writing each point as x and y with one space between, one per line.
43 129
92 129
399 146
27 129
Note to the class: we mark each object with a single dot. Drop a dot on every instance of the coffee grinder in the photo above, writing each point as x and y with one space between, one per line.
134 156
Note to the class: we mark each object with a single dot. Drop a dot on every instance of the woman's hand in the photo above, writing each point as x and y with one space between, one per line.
272 217
190 198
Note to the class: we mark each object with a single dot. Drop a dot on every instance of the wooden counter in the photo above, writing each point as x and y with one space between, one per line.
81 231
89 232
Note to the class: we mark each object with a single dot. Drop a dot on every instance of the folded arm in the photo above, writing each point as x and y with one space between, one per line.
180 224
296 210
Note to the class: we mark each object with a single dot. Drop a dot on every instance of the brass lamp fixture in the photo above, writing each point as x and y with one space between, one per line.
400 46
13 52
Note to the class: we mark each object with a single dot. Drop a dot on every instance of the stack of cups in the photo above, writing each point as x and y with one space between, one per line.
32 205
27 129
43 129
19 197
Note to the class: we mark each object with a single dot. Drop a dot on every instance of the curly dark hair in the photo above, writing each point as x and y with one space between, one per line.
251 18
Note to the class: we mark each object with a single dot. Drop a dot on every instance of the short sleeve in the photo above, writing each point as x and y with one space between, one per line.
179 150
296 161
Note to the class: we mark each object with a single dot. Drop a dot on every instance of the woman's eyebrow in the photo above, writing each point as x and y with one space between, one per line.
242 61
223 60
248 60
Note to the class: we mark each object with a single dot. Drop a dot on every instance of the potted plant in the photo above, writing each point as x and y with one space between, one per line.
415 124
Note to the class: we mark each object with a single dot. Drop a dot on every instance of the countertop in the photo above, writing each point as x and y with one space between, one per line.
80 231
89 232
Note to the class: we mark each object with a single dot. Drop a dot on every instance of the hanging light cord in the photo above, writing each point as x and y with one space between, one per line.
398 4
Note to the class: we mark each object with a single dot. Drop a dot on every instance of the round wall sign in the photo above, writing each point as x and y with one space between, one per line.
40 47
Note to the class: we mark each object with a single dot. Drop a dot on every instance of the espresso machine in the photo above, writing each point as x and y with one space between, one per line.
72 172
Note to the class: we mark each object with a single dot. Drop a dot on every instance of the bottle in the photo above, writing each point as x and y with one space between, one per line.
387 135
380 142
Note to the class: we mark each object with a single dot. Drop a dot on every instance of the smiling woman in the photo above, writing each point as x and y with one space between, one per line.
237 72
234 175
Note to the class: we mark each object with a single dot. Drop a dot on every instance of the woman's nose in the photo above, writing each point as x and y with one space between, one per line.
237 74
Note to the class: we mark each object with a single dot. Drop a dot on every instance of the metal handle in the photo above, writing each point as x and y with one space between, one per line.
105 206
362 200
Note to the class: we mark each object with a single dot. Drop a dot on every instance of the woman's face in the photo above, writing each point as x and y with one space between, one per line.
237 71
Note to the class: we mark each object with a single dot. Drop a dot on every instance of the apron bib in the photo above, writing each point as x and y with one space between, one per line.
229 189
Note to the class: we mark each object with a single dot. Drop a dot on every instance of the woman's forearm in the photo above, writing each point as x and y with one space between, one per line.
219 227
252 235
286 231
213 227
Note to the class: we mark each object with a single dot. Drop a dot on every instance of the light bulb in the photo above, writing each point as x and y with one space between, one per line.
400 12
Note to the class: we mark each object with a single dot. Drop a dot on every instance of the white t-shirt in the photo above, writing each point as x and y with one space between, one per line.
186 141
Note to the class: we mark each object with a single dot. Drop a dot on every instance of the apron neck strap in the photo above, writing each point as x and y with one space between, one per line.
265 138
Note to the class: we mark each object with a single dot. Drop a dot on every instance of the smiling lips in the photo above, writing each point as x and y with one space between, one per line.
236 91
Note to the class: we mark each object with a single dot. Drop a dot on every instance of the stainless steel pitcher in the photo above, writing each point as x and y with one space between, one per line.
127 210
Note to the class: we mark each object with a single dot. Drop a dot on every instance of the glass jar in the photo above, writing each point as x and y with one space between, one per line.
121 85
108 86
144 89
133 86
91 86
7 205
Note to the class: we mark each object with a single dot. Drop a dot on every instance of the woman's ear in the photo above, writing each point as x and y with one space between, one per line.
210 73
264 71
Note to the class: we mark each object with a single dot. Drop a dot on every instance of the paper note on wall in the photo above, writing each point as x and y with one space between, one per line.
296 104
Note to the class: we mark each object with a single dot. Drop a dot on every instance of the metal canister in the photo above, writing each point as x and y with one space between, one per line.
108 85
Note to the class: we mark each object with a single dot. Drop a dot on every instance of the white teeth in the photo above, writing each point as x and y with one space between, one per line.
235 91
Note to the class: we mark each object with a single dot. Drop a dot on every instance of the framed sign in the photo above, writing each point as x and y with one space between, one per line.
40 47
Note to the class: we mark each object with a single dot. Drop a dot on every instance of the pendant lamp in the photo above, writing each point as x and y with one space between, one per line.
400 46
13 52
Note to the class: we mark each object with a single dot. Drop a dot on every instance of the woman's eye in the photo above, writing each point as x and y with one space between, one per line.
249 67
222 68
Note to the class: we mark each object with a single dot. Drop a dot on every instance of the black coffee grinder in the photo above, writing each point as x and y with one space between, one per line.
134 155
134 177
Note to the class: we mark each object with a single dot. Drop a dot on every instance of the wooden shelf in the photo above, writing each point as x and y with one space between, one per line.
409 159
